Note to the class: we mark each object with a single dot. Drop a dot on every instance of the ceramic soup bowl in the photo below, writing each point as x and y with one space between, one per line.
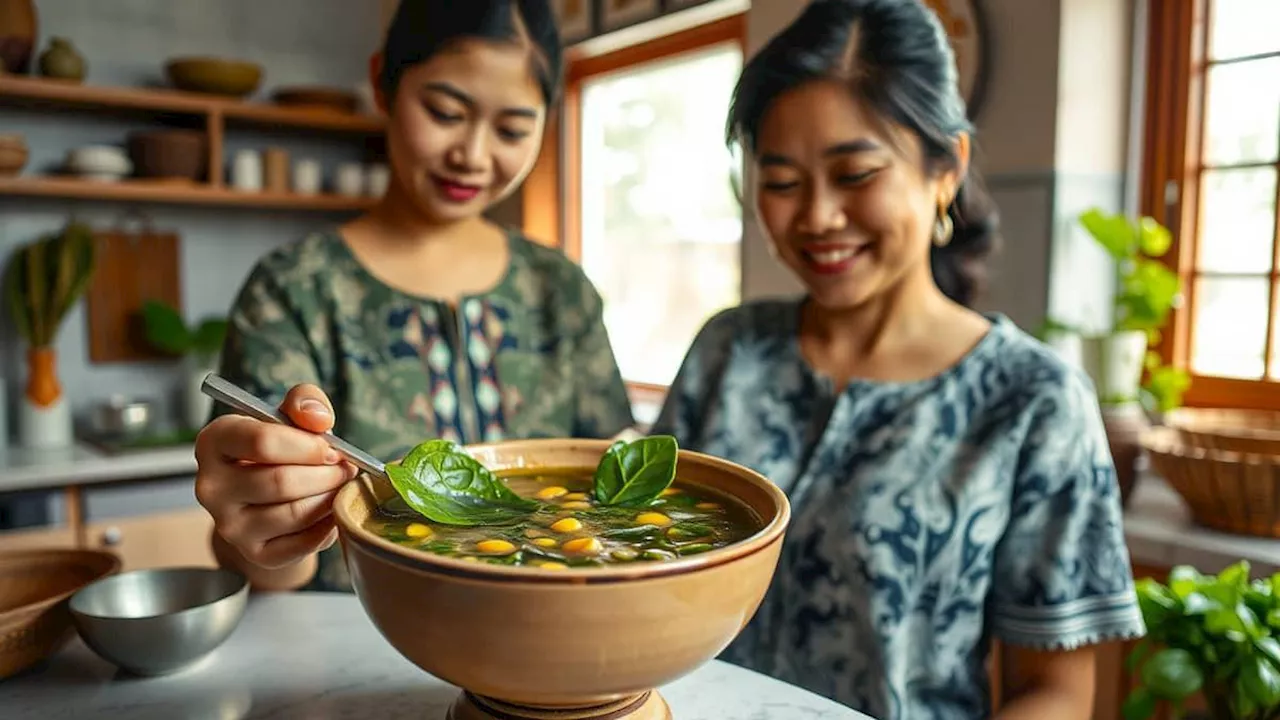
525 642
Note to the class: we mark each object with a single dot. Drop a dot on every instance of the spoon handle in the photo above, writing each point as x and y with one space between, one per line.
227 392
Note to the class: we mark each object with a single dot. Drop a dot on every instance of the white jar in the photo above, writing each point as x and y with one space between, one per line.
306 177
350 179
246 171
377 178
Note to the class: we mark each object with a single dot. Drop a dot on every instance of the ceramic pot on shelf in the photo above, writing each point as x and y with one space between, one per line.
17 35
44 415
62 61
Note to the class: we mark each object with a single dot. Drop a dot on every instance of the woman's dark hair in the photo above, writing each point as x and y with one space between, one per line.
422 28
895 57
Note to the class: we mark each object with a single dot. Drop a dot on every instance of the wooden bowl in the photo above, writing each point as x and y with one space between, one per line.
318 98
169 154
215 76
1232 492
13 154
1243 431
35 586
583 642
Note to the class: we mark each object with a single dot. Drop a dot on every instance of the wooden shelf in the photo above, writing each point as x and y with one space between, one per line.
174 193
42 92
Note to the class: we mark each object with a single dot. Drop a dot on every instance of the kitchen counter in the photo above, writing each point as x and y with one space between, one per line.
22 469
1158 526
318 656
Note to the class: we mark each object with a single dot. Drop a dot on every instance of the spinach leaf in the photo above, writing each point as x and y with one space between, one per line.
450 487
635 473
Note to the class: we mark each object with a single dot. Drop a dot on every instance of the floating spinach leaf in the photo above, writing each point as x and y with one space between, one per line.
448 486
635 473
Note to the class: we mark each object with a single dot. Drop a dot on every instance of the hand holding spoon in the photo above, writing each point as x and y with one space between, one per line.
244 402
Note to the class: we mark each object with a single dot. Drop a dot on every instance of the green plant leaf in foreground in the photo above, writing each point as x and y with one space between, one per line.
635 473
448 486
1172 674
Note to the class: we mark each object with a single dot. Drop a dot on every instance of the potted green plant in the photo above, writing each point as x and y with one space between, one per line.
1146 292
199 347
43 280
1209 634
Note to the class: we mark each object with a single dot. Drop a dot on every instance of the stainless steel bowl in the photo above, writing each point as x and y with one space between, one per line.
155 622
120 417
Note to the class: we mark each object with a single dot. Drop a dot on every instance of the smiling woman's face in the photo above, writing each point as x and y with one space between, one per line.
845 198
465 128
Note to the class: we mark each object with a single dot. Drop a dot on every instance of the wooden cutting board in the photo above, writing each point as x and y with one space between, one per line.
132 267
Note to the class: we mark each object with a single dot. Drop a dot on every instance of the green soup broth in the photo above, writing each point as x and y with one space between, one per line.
571 530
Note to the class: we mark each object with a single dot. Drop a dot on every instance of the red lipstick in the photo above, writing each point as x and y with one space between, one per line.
456 192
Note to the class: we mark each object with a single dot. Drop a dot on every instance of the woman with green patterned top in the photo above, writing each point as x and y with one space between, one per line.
420 319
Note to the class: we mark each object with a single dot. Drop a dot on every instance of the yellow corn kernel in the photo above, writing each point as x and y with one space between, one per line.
550 492
576 505
576 496
417 530
567 525
544 542
548 565
583 546
707 506
653 518
495 547
470 559
669 492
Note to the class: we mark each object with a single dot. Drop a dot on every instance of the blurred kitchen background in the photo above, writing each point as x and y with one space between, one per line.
182 173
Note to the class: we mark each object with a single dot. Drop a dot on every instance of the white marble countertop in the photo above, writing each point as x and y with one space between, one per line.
318 657
23 469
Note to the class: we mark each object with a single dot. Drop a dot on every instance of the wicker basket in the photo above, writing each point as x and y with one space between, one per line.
1231 492
1255 432
35 586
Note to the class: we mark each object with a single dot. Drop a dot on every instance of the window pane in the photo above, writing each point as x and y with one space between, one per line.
1238 220
661 225
1243 113
1230 327
1244 27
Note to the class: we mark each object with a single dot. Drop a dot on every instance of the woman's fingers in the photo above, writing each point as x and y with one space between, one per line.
309 408
288 549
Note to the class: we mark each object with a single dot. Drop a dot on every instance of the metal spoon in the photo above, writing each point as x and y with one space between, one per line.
241 400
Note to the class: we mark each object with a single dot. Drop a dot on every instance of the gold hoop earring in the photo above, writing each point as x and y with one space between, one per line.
942 228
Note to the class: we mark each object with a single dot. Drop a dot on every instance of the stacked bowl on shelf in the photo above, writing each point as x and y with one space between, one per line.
1225 464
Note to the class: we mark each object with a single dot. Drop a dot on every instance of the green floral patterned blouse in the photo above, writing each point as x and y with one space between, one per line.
529 358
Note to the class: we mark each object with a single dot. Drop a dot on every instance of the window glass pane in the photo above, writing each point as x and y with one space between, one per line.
661 225
1230 327
1242 122
1238 220
1244 27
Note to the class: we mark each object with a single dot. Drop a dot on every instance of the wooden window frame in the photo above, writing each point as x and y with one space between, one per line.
1173 134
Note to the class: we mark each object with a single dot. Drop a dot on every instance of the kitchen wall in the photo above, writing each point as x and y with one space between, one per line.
126 42
1051 141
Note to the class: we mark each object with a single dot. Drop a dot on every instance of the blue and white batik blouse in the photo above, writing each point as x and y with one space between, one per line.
927 517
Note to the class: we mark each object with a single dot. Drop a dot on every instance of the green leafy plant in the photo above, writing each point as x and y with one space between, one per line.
635 473
167 332
45 278
1210 634
443 483
1147 291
